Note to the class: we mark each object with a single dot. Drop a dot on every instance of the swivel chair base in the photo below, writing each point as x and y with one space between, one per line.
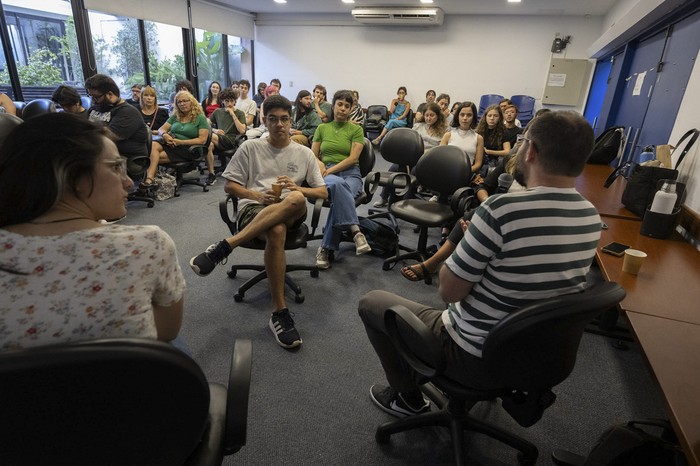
262 275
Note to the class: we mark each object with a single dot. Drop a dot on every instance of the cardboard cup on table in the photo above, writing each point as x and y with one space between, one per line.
633 261
277 189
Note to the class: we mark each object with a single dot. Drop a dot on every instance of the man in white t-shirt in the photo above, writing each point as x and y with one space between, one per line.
245 103
262 213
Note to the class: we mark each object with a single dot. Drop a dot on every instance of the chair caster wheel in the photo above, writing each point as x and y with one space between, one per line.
381 437
299 298
238 297
386 267
205 189
150 204
314 273
232 273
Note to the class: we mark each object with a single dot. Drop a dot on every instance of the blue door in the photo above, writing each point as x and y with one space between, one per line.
596 96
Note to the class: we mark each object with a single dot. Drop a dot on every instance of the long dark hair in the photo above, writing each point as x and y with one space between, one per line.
64 148
210 96
461 105
299 110
493 139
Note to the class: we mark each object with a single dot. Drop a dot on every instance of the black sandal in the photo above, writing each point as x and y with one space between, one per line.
144 185
417 274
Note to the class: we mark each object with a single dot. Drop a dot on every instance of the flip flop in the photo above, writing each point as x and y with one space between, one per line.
417 275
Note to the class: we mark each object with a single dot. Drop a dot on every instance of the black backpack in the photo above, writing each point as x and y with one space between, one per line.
607 146
383 239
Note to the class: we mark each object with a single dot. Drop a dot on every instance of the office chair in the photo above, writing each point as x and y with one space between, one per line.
403 147
409 118
7 124
295 239
19 106
136 167
120 402
444 170
486 101
86 101
526 108
199 152
377 116
38 107
531 350
225 155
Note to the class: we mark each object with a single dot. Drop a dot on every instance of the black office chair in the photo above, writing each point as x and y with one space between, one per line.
377 116
225 155
404 147
7 124
409 118
136 167
19 106
228 208
38 107
119 402
444 170
199 152
531 350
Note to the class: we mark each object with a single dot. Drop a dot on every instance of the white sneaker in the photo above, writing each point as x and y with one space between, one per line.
433 199
361 245
322 261
381 203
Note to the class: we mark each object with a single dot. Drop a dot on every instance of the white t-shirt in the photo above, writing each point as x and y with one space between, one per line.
87 284
248 107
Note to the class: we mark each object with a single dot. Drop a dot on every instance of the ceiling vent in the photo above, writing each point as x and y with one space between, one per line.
399 16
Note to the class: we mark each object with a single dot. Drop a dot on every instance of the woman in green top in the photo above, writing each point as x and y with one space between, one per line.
338 146
186 126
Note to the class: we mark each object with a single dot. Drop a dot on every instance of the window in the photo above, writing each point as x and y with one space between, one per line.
166 61
210 60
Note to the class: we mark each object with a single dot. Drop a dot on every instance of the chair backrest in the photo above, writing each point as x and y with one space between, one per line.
38 107
380 110
443 169
536 346
409 118
402 146
486 101
367 158
7 124
526 107
19 106
111 402
86 101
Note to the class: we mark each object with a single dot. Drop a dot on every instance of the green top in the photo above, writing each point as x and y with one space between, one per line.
221 119
336 140
189 130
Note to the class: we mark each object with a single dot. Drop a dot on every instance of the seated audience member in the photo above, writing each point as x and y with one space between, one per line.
398 111
321 106
153 115
250 174
487 277
64 275
7 105
123 120
235 86
463 135
260 96
504 104
511 131
338 145
432 131
491 128
261 131
187 126
69 100
443 100
182 85
135 98
211 101
429 98
245 103
227 123
304 119
278 83
357 114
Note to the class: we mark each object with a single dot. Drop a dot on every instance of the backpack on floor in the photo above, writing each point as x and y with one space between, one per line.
383 239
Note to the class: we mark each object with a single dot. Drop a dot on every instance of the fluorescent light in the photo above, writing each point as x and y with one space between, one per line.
348 1
280 1
513 1
426 1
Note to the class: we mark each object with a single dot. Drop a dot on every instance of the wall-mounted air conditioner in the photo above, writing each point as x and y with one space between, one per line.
398 16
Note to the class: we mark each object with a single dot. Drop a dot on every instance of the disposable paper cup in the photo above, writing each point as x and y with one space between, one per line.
633 261
277 189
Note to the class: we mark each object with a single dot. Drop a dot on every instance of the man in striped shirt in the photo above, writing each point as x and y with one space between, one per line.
518 248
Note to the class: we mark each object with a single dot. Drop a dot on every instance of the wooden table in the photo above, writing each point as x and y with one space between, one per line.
607 201
668 284
672 349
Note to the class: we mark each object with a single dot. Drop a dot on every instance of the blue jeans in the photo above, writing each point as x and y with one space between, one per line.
342 188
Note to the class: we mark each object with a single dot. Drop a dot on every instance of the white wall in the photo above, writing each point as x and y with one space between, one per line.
466 57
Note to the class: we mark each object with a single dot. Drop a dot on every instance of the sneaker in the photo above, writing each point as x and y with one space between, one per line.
361 245
282 326
322 261
211 179
381 203
396 403
215 254
433 199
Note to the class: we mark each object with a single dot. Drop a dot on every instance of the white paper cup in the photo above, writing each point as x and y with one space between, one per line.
633 261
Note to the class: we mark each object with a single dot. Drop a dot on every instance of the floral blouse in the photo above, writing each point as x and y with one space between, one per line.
87 284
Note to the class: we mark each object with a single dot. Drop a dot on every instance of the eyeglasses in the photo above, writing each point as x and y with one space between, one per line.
273 120
119 166
96 97
183 102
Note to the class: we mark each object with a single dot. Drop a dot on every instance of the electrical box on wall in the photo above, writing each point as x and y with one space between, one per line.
566 81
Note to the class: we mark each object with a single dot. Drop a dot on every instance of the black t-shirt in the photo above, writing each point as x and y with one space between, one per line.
156 119
511 135
126 122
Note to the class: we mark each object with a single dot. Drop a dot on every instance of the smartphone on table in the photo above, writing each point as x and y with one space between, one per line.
615 248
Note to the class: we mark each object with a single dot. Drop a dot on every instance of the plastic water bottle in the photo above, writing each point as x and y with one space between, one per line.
665 198
647 155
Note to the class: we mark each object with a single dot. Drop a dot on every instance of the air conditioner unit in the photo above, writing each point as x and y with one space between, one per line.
398 16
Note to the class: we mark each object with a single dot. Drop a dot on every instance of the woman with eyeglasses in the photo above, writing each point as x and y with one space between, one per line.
187 126
65 275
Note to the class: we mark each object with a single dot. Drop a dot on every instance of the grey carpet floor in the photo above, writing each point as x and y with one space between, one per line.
312 406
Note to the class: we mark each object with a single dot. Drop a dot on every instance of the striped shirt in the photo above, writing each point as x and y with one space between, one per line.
519 248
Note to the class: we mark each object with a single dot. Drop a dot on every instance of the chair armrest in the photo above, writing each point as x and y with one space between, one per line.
371 184
422 350
399 191
462 199
229 220
238 394
316 215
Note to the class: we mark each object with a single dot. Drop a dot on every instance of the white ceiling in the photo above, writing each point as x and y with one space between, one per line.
454 7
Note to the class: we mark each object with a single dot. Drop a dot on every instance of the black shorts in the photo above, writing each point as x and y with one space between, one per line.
225 142
180 153
250 211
